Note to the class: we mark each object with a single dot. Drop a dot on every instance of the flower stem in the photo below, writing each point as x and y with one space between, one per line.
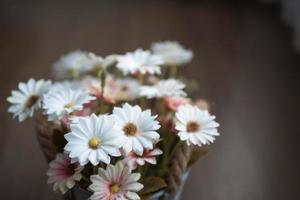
173 71
102 76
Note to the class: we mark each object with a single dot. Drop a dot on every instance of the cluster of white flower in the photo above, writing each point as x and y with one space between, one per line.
95 138
109 117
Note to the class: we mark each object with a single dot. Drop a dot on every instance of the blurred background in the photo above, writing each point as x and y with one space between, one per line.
246 63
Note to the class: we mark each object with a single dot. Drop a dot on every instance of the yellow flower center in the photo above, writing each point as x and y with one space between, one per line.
94 142
69 105
130 129
31 101
192 127
114 188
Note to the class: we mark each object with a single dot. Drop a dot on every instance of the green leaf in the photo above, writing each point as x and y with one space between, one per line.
197 153
152 184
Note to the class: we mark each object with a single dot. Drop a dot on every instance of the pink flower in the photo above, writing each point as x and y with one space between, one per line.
133 160
115 183
173 103
62 174
202 104
114 90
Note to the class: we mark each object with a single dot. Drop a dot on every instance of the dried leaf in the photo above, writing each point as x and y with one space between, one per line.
152 184
197 153
146 197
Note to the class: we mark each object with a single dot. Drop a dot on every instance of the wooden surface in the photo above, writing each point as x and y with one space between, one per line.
243 62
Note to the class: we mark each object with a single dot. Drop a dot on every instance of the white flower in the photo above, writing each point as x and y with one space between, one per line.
138 127
173 53
149 156
195 126
130 88
63 174
75 64
139 61
163 88
28 98
93 139
115 183
58 103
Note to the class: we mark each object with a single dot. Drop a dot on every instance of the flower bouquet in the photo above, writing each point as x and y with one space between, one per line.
120 126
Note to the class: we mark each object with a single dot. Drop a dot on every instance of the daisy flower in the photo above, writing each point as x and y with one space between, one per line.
172 53
63 174
139 61
59 103
138 127
195 126
115 183
163 88
75 64
130 88
149 156
93 139
28 98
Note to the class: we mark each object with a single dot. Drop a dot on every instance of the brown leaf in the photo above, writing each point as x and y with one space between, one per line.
152 184
146 197
197 153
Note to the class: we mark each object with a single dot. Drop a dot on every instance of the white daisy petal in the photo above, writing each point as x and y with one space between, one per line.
28 99
195 126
